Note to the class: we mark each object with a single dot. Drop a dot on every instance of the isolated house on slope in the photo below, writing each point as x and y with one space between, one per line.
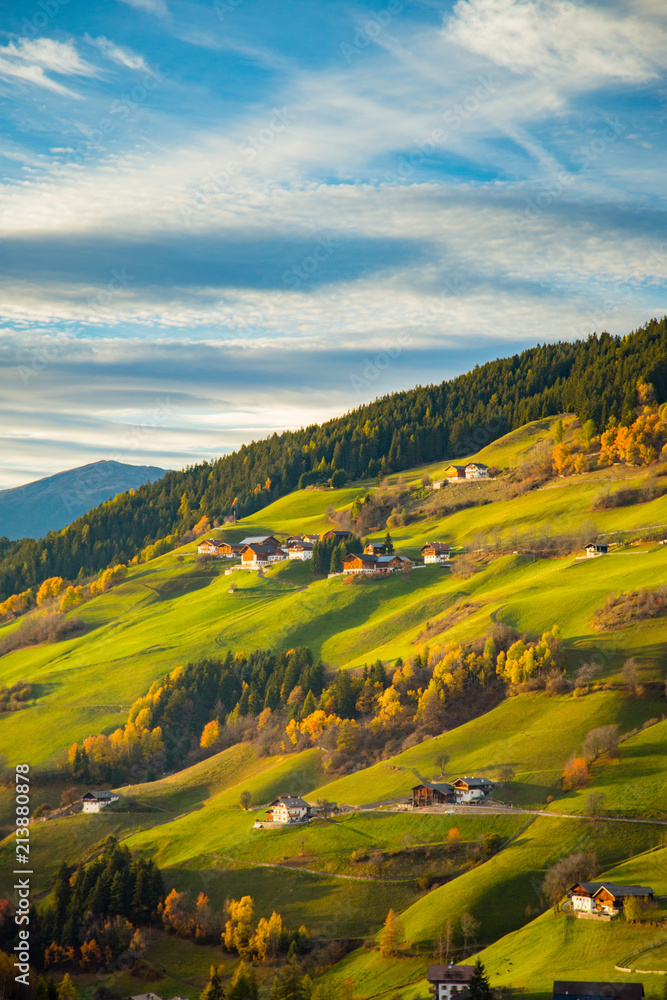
94 802
432 793
472 789
288 809
604 897
477 470
448 981
596 549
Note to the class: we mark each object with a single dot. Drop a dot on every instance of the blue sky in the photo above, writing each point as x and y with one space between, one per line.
224 218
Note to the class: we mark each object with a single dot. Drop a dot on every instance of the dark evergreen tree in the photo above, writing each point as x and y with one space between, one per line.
478 984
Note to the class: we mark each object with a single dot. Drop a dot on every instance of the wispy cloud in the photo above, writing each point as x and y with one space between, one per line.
549 38
31 60
157 7
117 53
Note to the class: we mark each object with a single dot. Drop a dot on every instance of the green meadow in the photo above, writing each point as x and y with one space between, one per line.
341 876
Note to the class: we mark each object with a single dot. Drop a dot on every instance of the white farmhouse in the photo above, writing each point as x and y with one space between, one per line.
448 981
289 809
476 470
94 802
472 789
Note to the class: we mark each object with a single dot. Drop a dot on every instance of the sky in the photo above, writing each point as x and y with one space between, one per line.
221 219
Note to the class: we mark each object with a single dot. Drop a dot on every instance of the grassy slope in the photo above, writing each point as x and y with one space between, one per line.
168 613
581 949
171 610
534 734
634 784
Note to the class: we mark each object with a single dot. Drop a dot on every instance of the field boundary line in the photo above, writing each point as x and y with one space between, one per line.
306 871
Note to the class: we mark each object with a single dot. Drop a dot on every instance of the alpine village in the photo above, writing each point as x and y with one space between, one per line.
371 709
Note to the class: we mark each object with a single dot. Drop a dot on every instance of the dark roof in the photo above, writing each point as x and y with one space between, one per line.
364 556
597 545
291 801
99 795
436 546
476 782
616 890
343 534
260 548
476 465
449 973
437 786
624 991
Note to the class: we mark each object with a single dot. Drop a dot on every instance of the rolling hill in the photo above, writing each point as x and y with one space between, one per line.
339 877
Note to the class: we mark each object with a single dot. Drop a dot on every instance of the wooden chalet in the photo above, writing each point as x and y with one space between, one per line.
340 536
448 981
605 898
367 563
209 547
432 793
390 564
260 540
257 555
472 789
435 552
355 562
455 473
376 549
596 549
569 990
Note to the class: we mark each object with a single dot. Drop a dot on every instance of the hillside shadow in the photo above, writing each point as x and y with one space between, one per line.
180 586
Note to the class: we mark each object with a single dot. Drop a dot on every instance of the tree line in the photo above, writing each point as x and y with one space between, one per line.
594 378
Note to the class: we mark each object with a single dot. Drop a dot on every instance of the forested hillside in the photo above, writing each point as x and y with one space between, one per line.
595 378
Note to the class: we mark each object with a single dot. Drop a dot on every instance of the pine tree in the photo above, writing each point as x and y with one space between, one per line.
479 987
309 704
388 544
213 989
66 990
244 984
337 556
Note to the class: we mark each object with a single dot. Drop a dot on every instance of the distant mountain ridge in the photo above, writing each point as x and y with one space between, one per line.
49 504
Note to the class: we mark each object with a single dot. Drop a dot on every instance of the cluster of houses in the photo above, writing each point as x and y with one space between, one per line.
449 981
460 791
261 551
459 473
604 899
